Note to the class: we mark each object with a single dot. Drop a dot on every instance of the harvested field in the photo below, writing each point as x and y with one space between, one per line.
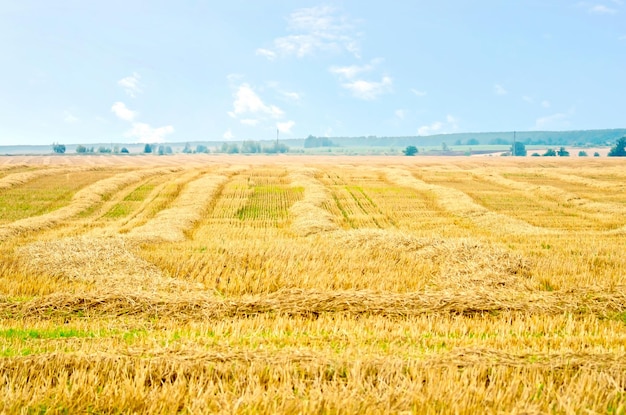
197 283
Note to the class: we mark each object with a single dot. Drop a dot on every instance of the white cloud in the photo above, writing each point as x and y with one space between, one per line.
70 118
131 84
369 90
555 121
418 93
601 9
146 134
285 127
400 114
545 104
315 29
430 129
528 99
438 127
247 102
499 90
351 71
120 109
290 96
453 122
228 135
269 54
249 121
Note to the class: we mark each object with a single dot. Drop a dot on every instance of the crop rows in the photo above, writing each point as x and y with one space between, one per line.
237 285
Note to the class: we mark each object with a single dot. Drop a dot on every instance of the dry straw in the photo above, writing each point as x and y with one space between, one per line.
82 200
552 192
17 179
459 203
170 224
108 263
199 306
309 217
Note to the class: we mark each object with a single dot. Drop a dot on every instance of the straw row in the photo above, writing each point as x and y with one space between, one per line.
199 306
171 224
553 193
464 382
17 179
82 200
309 217
460 204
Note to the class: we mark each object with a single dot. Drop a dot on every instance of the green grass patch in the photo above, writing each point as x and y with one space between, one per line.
45 194
270 202
58 333
140 193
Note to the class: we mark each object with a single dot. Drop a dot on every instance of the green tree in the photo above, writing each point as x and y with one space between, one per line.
519 149
582 153
550 153
81 149
58 148
410 151
187 149
563 152
147 148
619 150
124 150
596 154
202 149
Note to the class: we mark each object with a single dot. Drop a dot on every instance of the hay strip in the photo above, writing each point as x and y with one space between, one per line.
309 217
82 200
199 306
460 204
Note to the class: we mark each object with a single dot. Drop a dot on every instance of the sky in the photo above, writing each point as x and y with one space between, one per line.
75 71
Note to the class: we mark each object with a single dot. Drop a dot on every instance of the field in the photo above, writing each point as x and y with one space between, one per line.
300 284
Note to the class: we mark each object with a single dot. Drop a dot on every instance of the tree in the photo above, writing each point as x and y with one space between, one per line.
81 149
124 150
187 149
147 149
582 153
519 149
550 153
58 148
202 149
596 154
563 152
410 151
473 142
619 150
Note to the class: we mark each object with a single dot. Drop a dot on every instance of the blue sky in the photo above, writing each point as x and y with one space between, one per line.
152 71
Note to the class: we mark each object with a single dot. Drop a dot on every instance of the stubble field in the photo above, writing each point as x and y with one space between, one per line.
260 284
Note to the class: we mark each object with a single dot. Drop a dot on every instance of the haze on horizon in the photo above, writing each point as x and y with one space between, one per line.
135 71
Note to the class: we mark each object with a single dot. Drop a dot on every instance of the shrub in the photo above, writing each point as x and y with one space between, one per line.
563 152
58 148
619 150
410 151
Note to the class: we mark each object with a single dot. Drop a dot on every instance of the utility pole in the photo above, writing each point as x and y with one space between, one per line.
514 146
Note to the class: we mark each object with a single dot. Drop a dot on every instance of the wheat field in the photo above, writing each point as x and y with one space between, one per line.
293 284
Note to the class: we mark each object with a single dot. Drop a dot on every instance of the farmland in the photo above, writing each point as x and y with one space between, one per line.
196 283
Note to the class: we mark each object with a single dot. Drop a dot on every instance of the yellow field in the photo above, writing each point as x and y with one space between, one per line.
312 285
